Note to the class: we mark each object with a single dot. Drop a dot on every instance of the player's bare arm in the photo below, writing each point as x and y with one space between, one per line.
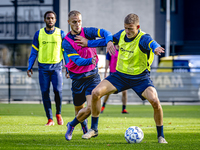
159 50
81 41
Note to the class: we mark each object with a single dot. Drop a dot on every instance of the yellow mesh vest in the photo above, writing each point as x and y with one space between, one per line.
50 47
131 60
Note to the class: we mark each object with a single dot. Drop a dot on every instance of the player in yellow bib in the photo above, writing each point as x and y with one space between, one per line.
47 46
135 57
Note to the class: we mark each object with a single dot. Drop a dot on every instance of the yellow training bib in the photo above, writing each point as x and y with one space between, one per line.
131 60
50 47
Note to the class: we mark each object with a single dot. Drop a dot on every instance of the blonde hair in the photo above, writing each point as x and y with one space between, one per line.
73 12
131 19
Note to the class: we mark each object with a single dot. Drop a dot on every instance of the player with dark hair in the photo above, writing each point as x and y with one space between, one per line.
50 11
47 45
136 54
82 67
111 62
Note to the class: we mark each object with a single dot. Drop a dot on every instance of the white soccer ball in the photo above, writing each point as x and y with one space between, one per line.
134 135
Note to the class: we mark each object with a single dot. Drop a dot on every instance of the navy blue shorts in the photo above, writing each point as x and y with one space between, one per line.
136 82
83 87
111 73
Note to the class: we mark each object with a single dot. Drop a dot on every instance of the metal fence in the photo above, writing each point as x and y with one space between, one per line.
15 85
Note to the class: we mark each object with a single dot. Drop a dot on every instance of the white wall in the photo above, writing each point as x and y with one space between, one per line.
110 14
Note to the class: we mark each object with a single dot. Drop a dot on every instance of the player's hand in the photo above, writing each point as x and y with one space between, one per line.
110 48
67 75
29 71
159 50
81 41
94 59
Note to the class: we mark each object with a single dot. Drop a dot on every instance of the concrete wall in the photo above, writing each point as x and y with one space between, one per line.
110 14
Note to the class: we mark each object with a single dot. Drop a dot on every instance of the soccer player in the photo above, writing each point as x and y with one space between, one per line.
111 62
47 45
136 54
82 67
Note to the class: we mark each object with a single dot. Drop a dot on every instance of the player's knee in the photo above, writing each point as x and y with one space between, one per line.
153 99
96 94
155 104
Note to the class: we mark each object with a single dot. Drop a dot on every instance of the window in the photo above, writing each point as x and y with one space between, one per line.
173 6
20 19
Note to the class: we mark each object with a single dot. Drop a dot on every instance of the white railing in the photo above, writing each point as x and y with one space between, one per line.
15 85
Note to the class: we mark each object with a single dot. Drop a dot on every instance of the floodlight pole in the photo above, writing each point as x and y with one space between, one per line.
69 7
167 29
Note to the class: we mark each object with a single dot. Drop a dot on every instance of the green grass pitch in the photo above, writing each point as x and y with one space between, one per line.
22 127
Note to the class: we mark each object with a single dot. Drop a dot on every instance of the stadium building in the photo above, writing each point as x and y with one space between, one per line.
20 19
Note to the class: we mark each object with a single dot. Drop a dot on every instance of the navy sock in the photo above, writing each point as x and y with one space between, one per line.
160 131
74 122
84 123
104 105
123 107
95 121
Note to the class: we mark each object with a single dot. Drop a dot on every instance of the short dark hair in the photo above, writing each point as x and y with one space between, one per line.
73 12
50 11
131 19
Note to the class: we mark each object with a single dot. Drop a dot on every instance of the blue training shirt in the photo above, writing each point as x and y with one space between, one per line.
91 34
143 44
34 54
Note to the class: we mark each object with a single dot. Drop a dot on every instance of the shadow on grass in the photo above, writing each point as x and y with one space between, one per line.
103 141
55 141
136 111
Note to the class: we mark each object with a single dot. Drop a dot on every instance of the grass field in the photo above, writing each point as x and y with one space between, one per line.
22 127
